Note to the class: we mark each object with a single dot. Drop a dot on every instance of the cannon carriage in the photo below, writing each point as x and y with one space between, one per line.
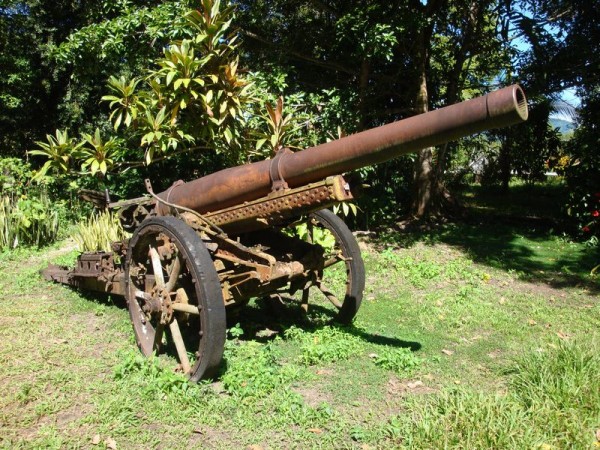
204 247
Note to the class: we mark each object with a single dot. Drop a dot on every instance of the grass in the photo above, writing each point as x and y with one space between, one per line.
469 337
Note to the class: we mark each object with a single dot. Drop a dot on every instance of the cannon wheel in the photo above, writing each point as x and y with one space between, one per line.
172 286
343 291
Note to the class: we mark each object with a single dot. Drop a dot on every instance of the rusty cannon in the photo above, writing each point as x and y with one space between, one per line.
262 230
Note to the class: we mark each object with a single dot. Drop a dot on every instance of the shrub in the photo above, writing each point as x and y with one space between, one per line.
28 220
98 232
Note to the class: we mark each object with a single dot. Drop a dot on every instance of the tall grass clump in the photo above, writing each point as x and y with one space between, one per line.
28 220
553 401
98 232
561 386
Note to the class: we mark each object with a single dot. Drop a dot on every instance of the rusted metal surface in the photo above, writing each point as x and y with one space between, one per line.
232 220
133 212
94 271
236 185
281 205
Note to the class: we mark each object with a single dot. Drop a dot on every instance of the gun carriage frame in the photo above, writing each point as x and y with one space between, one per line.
204 247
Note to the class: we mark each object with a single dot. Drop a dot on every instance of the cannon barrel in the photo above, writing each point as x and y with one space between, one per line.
240 184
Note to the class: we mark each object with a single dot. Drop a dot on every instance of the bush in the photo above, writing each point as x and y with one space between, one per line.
98 232
27 221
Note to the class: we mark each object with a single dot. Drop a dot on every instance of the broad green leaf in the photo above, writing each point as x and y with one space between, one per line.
170 77
260 143
228 135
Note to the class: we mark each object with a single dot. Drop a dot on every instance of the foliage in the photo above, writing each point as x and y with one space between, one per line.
58 152
583 173
15 177
253 370
194 96
402 360
98 232
281 127
328 344
96 154
321 236
28 220
27 214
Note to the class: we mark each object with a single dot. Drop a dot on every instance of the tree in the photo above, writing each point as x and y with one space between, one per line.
563 41
384 61
193 98
49 78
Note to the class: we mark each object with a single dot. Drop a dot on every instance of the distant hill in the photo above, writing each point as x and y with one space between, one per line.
564 126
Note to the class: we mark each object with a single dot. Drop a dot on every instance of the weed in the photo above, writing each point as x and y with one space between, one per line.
461 419
328 344
399 360
157 378
253 370
236 331
561 385
553 402
27 221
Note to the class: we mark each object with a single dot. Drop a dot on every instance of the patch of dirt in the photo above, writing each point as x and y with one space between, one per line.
495 354
400 388
69 245
555 296
63 419
212 438
312 396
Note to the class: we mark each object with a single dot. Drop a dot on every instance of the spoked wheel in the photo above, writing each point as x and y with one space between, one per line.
336 290
173 293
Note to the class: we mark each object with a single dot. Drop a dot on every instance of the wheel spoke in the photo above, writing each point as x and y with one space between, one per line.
305 295
142 295
330 296
174 275
179 345
157 268
158 335
310 232
183 307
333 261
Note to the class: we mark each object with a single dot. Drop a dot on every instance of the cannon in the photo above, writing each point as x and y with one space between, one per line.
262 230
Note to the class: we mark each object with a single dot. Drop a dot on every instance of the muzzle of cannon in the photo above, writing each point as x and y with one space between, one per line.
236 185
260 231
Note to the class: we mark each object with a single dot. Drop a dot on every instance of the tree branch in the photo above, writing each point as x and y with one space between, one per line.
327 65
134 164
324 7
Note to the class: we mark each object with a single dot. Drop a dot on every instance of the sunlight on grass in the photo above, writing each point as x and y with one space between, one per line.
429 362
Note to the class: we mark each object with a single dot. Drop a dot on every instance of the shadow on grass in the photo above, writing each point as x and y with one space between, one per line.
261 322
102 298
527 247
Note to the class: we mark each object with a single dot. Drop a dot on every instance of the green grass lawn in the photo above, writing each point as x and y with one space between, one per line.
474 335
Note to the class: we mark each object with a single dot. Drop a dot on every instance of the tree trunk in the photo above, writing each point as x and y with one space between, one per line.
431 195
423 178
504 161
363 92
